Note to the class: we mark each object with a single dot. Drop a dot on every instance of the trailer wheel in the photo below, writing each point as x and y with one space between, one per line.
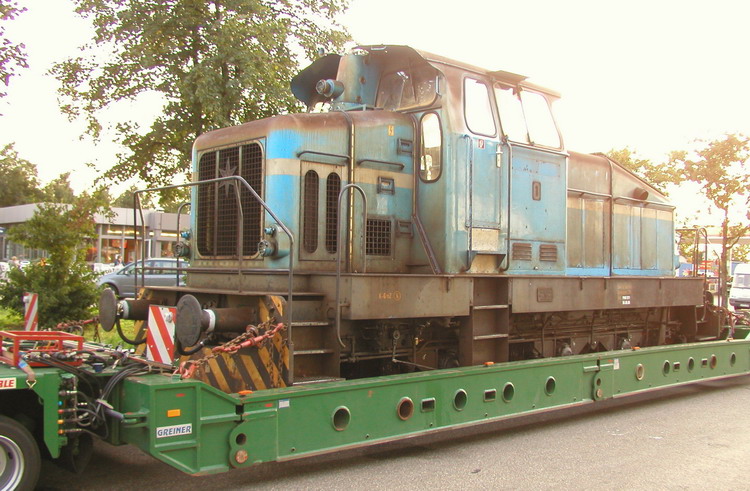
20 460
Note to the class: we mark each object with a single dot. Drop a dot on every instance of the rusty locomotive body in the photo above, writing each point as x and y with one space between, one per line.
430 218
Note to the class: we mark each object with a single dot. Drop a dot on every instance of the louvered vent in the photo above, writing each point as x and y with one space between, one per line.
333 188
378 238
521 251
218 209
548 252
310 212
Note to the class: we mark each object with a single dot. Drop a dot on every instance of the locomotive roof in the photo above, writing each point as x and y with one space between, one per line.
303 84
498 75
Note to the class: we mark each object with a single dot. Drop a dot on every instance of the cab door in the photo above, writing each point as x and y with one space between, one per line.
484 177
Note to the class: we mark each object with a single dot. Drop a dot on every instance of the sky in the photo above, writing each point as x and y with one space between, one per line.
651 75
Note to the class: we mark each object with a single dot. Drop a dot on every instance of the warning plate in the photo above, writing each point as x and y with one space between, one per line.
7 383
160 334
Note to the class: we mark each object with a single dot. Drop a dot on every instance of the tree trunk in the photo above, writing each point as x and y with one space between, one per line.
723 274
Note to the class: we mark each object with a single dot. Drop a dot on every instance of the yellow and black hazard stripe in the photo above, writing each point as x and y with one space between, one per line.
255 368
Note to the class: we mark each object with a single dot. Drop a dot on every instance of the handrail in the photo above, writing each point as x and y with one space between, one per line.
179 214
338 253
284 228
384 162
324 154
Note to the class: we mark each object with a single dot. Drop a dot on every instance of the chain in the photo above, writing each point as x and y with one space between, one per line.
251 337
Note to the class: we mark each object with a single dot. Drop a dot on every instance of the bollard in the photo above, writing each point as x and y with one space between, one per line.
30 312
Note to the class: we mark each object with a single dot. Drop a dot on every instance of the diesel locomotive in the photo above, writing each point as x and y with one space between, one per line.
423 214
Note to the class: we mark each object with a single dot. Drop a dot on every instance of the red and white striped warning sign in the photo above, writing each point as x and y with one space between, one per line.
160 338
30 311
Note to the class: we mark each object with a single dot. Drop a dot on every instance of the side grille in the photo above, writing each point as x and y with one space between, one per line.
310 212
378 237
333 188
218 209
521 252
548 252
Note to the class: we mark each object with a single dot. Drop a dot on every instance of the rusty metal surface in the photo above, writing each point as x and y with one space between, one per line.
534 294
392 296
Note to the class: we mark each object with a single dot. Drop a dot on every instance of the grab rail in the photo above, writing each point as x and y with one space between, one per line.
243 182
338 253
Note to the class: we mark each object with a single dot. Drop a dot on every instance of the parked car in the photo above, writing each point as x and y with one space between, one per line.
739 295
158 272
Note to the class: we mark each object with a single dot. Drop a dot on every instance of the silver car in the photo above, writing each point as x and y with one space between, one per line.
157 272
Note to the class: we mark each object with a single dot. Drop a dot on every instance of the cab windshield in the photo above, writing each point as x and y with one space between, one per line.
407 88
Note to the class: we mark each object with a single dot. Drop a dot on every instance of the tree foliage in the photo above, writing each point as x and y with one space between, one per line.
721 168
59 190
656 174
65 284
12 55
213 63
20 184
169 202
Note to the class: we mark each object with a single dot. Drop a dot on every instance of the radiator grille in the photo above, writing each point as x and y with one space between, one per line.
310 212
218 210
333 188
521 251
378 237
548 252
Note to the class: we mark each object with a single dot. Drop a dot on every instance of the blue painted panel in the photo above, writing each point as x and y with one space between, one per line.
542 219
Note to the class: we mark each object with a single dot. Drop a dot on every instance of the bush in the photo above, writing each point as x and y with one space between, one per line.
65 285
64 294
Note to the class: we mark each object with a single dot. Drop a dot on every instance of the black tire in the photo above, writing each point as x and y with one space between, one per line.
20 460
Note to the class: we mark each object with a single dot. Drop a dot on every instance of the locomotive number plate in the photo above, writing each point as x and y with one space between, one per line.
544 294
394 295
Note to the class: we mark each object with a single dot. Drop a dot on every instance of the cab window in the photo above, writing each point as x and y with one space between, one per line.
407 88
539 120
432 148
477 108
526 117
511 114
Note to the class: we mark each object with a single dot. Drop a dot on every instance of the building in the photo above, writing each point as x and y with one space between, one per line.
114 234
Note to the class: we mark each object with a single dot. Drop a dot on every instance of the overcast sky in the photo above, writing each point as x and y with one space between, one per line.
652 75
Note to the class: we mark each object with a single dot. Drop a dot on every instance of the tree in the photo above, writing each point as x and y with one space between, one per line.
720 168
18 177
65 285
59 190
12 55
741 253
657 175
214 63
168 202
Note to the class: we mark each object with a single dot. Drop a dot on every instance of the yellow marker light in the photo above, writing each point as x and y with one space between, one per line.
173 413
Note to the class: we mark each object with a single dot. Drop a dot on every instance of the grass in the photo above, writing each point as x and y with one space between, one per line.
11 320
